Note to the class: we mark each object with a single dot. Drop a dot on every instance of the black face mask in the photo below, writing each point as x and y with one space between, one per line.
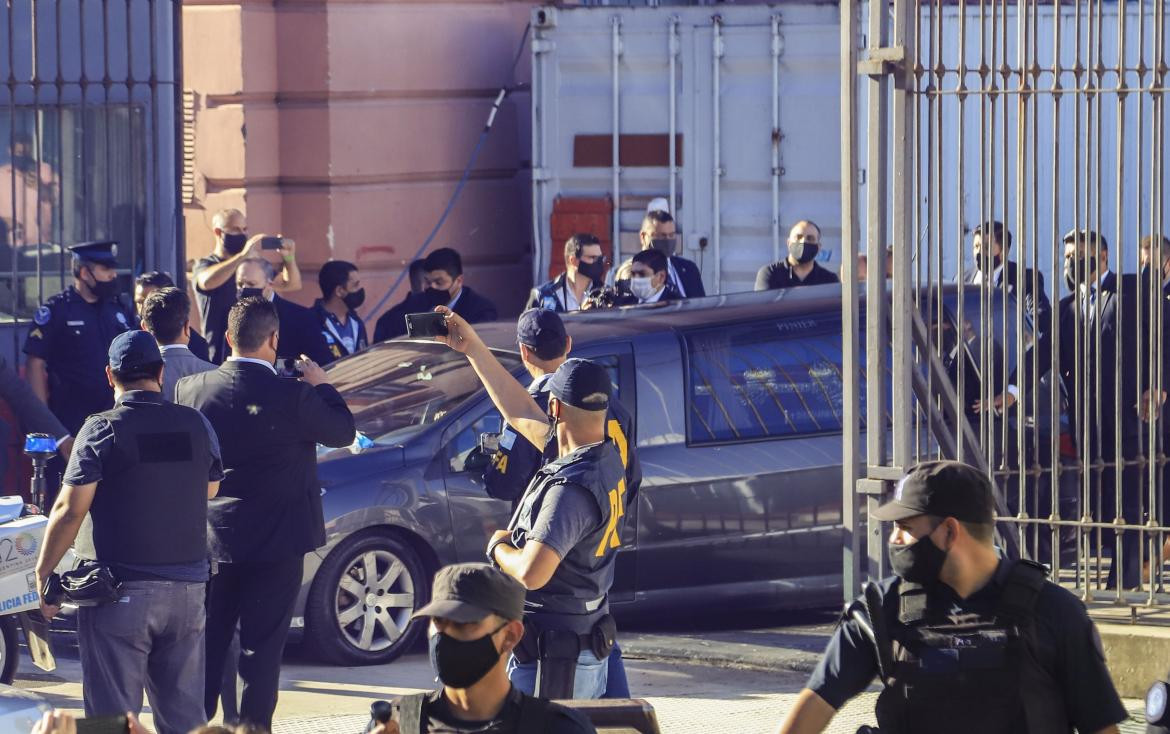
437 296
103 289
355 299
665 245
803 252
594 271
462 663
981 262
919 562
233 244
242 293
1070 274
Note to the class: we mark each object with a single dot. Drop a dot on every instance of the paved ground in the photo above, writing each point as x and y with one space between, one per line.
315 698
668 667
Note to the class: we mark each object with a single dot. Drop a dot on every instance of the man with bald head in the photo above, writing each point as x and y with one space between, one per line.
214 275
800 267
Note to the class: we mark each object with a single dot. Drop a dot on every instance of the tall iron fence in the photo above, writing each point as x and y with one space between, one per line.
1014 163
88 142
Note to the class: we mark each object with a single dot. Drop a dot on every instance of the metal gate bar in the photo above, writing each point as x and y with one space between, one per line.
1037 129
89 95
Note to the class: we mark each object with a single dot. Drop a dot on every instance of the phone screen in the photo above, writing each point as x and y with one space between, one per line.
271 243
39 443
103 725
287 367
426 324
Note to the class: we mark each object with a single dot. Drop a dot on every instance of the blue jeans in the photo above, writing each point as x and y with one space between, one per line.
589 681
617 685
152 638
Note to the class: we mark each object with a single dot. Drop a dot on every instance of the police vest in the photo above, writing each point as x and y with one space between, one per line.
577 594
976 672
514 464
150 506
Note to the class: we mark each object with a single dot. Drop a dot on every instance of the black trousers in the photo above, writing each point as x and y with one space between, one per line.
259 597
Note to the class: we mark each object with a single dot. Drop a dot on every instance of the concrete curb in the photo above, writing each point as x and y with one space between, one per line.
1136 655
717 653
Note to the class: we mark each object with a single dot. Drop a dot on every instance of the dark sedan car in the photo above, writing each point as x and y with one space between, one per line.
738 406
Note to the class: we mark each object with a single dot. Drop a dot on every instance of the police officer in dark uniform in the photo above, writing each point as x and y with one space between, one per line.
71 334
135 499
960 635
562 540
544 347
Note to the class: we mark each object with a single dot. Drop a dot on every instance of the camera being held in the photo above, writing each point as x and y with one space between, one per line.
609 296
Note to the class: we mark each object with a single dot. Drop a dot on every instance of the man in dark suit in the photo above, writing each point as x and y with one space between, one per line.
300 332
268 512
1098 321
443 272
658 233
393 323
990 244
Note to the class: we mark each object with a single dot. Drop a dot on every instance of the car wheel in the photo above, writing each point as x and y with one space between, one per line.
9 648
358 610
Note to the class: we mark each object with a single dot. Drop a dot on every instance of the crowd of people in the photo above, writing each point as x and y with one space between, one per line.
190 493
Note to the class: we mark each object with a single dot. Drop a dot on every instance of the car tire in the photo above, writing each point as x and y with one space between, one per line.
9 647
345 623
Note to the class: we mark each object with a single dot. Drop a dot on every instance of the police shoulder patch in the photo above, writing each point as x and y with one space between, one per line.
36 334
42 316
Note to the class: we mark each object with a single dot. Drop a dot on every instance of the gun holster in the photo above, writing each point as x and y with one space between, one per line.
556 664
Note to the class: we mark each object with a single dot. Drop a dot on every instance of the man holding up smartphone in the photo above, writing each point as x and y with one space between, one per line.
561 543
214 275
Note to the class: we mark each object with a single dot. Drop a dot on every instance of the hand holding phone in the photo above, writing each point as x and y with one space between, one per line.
426 325
104 725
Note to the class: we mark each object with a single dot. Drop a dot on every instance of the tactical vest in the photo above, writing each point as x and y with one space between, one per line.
976 672
577 594
150 506
512 467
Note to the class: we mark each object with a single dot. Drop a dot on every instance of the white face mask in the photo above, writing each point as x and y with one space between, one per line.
641 288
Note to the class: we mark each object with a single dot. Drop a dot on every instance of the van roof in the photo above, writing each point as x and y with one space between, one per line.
590 326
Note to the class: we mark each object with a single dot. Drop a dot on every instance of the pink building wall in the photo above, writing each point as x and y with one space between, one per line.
346 124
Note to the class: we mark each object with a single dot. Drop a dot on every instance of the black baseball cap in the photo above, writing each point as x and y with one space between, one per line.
132 350
542 330
468 592
581 384
942 489
102 252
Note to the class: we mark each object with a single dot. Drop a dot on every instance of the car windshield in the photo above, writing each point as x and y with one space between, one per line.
396 389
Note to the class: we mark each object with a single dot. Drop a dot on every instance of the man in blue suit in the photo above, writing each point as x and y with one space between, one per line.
300 332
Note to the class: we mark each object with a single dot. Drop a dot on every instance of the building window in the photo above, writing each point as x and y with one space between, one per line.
67 174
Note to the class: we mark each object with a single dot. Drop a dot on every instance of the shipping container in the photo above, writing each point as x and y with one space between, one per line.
751 96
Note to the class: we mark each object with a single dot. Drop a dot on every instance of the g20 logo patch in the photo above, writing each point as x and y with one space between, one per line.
25 544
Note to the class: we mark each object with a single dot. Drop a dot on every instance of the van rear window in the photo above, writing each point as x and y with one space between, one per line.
764 380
